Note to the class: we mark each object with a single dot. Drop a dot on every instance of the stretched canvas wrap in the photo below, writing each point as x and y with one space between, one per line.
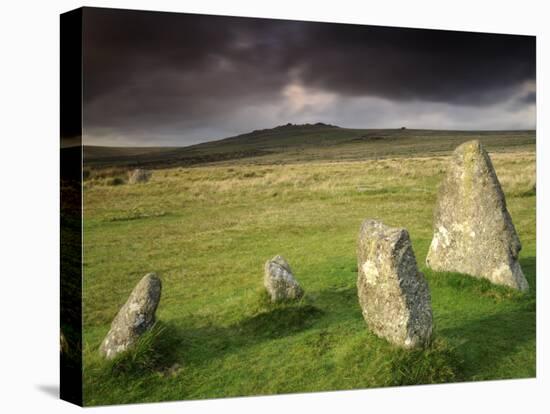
254 206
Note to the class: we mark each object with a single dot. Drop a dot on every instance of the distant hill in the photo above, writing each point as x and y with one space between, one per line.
307 142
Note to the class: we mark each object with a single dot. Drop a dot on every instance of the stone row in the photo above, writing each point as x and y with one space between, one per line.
473 233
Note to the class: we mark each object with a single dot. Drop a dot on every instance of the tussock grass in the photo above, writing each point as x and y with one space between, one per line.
149 353
439 363
115 181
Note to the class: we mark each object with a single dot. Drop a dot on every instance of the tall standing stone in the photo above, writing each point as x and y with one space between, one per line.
279 280
393 293
473 231
134 318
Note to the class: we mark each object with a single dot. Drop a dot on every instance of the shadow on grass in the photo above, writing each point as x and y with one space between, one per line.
464 283
476 349
171 346
469 350
341 302
372 361
486 343
529 267
278 322
490 342
205 342
489 339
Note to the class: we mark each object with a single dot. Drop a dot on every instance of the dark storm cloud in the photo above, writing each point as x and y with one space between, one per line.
441 66
166 74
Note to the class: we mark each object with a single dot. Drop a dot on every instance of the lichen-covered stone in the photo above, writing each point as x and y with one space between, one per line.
279 280
139 175
393 294
473 231
134 318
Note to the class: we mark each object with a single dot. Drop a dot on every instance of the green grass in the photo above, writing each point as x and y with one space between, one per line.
207 232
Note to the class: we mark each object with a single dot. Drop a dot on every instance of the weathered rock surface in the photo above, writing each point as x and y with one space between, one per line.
393 294
279 280
139 176
134 318
473 231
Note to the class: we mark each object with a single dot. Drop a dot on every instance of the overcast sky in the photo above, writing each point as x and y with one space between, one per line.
177 79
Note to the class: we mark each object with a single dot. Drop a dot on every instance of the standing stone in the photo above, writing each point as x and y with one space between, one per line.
393 294
279 280
134 318
139 176
473 231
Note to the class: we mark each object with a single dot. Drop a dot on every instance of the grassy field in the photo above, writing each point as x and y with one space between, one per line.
207 231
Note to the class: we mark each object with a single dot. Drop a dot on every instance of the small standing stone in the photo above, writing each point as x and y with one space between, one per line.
393 294
139 175
134 318
473 231
279 280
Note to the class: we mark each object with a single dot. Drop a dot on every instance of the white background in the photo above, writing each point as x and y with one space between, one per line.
29 223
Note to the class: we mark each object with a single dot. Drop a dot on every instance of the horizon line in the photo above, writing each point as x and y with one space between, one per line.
266 129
